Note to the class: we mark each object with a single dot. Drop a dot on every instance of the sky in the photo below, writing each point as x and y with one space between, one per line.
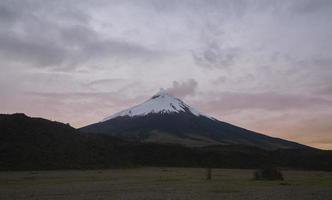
260 64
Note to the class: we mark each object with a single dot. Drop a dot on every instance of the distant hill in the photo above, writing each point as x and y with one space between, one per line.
166 119
28 143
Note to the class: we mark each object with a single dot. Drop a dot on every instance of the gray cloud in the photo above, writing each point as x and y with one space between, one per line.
105 81
230 102
213 56
311 6
183 89
44 53
26 50
60 38
219 80
327 90
7 15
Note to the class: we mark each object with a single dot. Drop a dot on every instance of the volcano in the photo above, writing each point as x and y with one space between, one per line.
166 119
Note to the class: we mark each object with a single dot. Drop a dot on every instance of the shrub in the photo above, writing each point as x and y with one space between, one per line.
268 173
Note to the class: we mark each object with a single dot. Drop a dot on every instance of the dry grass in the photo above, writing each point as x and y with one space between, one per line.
162 183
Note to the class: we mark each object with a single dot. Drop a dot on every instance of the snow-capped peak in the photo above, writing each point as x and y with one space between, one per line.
162 102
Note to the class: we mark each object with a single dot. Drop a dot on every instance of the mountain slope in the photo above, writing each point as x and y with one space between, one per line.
28 143
36 143
166 119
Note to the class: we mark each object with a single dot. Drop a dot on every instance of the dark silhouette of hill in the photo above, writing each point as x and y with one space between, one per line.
34 143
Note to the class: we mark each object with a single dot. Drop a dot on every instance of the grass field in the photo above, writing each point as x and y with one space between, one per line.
162 183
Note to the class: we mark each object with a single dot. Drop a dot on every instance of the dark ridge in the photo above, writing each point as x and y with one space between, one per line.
35 143
184 123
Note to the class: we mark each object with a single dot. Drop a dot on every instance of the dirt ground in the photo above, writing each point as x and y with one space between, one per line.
162 183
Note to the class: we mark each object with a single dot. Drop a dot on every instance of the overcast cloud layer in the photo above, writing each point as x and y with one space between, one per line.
264 65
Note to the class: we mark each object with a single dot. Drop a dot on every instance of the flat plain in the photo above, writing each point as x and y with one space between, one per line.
162 183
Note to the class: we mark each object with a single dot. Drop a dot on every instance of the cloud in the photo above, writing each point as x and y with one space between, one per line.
7 15
183 89
105 81
214 57
231 102
59 39
31 50
326 90
311 6
219 80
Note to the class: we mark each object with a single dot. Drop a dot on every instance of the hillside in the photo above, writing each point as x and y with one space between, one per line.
28 143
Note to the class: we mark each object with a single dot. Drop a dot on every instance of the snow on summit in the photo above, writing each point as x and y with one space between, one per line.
162 102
